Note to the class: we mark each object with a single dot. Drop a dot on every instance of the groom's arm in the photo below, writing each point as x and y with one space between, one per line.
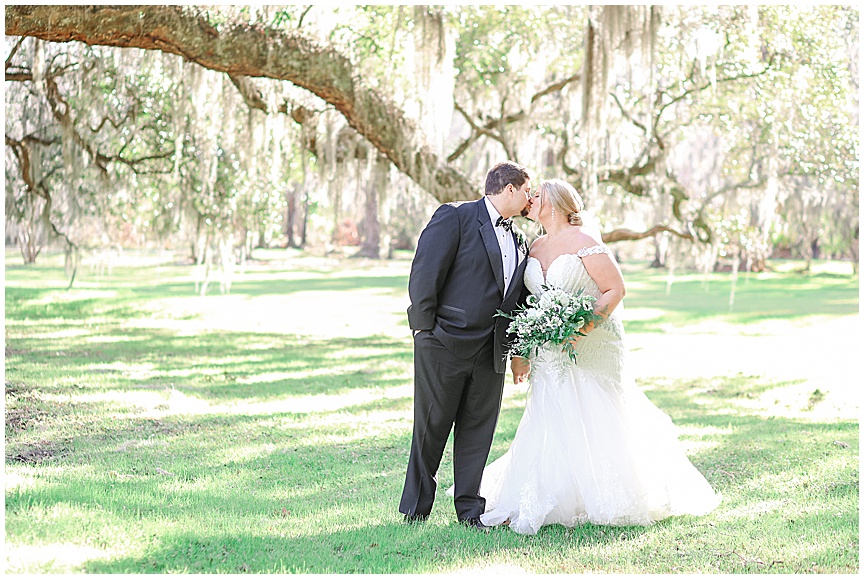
436 250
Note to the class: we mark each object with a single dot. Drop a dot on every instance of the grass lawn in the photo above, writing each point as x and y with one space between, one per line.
149 429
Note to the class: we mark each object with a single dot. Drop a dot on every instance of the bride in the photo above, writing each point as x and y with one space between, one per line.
590 446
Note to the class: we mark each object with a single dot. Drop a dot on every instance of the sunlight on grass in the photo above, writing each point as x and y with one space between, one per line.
111 339
18 481
300 374
172 402
75 295
641 314
319 314
63 334
140 371
118 399
481 569
776 351
52 558
160 432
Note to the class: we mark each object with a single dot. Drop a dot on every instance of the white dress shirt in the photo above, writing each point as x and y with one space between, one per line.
509 255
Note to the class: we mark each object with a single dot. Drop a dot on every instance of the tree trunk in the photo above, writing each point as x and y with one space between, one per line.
291 214
376 243
252 50
660 244
305 220
371 226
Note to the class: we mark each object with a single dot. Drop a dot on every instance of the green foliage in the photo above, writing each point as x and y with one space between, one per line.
737 109
551 321
498 45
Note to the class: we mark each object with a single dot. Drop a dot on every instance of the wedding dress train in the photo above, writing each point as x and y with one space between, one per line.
590 446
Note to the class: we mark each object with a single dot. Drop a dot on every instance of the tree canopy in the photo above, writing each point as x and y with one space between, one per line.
733 128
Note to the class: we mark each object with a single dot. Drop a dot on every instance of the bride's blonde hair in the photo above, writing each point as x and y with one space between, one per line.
563 197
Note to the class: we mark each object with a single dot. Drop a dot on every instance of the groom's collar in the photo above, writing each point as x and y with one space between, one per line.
493 213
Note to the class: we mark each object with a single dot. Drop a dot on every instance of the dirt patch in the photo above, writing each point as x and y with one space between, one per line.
163 427
36 453
21 411
15 352
23 418
15 389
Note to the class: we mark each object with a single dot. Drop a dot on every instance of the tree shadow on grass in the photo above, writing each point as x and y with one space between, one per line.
339 484
289 460
221 366
680 395
372 549
281 287
134 286
18 306
328 490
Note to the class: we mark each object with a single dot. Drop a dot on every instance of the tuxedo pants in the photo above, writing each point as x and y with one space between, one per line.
451 393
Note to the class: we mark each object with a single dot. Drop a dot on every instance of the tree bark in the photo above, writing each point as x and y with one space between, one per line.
291 195
630 235
258 52
371 227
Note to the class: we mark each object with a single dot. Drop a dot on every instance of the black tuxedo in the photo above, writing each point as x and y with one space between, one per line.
460 347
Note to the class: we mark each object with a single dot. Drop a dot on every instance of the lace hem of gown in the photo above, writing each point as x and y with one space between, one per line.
590 448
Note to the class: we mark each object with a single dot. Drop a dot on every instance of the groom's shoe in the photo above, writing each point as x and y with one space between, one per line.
415 518
476 523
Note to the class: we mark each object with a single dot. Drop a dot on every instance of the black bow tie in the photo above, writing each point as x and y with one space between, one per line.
507 224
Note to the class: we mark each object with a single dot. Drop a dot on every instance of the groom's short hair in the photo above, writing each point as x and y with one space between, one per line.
504 174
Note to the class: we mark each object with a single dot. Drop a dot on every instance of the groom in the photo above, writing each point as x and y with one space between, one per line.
469 263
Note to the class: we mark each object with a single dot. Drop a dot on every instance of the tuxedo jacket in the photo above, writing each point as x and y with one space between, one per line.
457 281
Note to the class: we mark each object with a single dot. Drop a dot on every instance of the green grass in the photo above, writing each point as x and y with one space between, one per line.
149 430
778 295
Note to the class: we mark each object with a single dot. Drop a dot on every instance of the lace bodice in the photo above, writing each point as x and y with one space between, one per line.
603 348
566 272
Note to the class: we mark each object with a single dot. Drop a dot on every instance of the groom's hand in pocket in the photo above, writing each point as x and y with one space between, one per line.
521 368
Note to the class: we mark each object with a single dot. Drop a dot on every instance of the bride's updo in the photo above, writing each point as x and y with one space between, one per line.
564 199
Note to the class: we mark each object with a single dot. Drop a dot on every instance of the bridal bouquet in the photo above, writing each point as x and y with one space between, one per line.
552 318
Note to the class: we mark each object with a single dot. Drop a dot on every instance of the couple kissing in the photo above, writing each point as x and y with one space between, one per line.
590 446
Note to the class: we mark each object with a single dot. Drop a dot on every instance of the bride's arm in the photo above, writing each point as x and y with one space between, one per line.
605 272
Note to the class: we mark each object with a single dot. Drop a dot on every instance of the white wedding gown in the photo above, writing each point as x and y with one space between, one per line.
590 446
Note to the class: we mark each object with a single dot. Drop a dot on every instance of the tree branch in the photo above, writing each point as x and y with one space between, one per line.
255 51
108 119
303 15
624 177
19 76
627 115
64 118
22 153
555 87
252 96
13 51
486 130
707 85
630 235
